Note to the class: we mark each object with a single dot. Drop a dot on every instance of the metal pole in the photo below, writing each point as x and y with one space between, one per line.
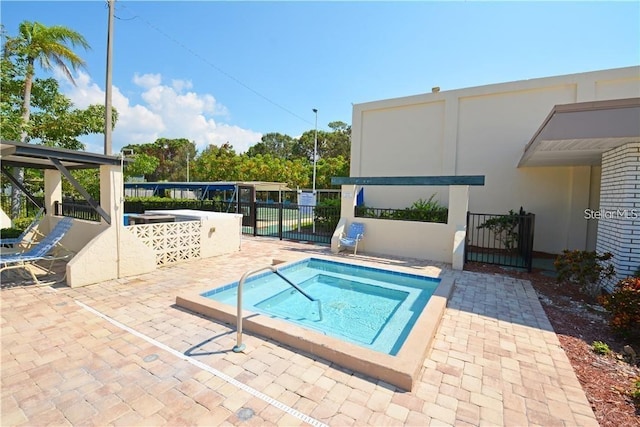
315 151
107 90
315 159
187 167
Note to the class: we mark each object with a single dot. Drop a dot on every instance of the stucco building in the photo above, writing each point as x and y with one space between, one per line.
566 148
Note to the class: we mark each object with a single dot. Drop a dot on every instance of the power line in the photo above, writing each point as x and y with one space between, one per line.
212 65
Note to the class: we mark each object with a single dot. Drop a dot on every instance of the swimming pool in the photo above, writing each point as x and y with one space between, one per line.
366 306
379 322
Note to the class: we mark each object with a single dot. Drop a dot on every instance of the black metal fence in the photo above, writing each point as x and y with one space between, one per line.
79 209
505 240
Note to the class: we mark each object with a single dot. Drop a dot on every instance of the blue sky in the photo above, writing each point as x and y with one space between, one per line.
231 71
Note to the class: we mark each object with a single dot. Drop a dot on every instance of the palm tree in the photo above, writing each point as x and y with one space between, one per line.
49 47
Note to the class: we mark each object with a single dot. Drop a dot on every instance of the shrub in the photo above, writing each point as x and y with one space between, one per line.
22 223
635 394
327 214
505 228
624 306
10 233
600 347
421 210
586 269
425 211
19 225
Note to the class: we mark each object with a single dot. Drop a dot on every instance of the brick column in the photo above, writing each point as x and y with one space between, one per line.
619 213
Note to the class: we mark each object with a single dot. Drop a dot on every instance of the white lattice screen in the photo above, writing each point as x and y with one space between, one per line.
171 241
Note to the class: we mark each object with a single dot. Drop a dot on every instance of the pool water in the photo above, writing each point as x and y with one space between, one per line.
371 307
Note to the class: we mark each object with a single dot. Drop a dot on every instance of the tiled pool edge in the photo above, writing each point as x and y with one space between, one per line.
401 370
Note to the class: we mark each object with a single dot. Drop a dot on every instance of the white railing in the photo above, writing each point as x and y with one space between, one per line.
171 241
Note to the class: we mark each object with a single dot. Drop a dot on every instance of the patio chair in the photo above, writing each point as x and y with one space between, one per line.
354 235
40 251
13 241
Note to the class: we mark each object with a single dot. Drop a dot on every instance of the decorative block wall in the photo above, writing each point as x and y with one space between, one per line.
619 213
171 241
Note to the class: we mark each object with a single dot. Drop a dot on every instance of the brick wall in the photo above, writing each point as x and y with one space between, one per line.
619 213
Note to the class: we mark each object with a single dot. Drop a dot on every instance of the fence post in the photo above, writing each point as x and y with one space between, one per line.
466 239
280 219
254 218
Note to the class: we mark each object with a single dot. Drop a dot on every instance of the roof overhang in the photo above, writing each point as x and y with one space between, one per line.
42 157
577 134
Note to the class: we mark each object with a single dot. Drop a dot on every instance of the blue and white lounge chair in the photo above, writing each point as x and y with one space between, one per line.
40 251
354 235
13 241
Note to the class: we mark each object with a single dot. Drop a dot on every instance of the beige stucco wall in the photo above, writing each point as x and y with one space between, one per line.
483 131
103 259
221 234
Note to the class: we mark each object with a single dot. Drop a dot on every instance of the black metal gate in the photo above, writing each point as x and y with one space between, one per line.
505 240
294 222
246 205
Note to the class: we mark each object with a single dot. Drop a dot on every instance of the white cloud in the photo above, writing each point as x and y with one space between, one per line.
167 111
147 80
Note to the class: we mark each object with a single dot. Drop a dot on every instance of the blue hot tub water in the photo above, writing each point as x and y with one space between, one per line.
367 306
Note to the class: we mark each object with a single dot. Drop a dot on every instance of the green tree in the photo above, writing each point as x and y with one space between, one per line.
55 121
217 164
48 47
330 144
88 178
275 144
171 155
328 167
10 98
142 165
338 142
270 168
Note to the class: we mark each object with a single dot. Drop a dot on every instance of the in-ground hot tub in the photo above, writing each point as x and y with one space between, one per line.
398 314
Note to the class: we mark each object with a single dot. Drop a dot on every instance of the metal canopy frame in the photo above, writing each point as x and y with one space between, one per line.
16 154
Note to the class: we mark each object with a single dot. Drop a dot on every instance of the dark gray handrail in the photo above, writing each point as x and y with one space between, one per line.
310 298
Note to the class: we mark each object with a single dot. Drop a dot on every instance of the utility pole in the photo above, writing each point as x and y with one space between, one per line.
187 166
107 90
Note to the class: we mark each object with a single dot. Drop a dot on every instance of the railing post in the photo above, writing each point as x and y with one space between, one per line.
239 345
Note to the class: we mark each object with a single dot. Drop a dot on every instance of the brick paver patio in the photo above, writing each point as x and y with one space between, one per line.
121 353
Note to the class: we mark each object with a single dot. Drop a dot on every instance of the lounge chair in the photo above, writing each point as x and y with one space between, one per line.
40 251
354 235
13 241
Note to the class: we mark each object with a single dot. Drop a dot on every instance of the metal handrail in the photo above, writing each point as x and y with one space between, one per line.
239 345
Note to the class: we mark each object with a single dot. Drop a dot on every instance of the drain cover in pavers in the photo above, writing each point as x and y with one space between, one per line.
245 413
150 357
